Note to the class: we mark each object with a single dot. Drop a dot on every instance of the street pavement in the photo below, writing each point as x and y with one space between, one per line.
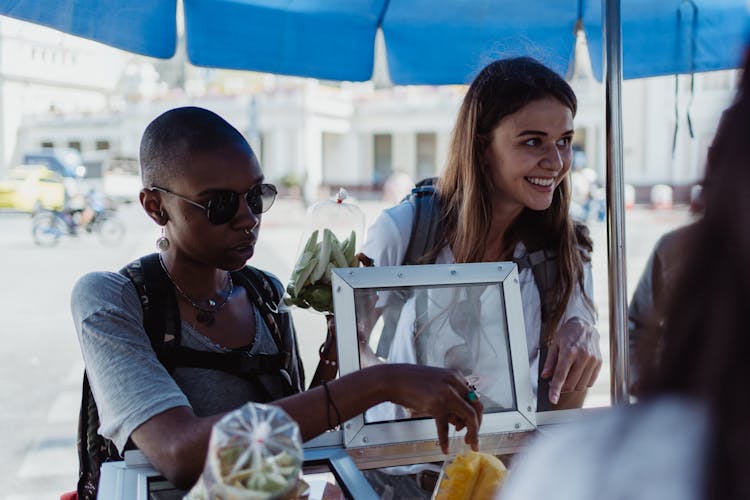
40 363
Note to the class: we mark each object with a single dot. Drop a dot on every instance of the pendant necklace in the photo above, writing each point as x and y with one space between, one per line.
206 314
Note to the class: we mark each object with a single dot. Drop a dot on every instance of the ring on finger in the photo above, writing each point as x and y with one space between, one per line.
472 395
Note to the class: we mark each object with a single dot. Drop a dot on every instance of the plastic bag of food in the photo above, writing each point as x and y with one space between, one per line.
470 475
255 453
334 228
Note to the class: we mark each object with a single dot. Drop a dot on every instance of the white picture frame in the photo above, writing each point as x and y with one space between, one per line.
361 431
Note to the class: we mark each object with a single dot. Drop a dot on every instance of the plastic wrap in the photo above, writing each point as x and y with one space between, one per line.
334 229
255 453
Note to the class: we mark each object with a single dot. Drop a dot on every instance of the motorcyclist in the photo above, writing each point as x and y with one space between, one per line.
94 204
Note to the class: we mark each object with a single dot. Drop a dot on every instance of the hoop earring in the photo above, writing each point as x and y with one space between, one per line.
162 243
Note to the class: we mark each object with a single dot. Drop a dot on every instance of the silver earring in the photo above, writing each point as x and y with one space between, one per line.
162 243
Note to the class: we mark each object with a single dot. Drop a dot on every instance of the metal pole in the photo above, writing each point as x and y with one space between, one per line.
618 303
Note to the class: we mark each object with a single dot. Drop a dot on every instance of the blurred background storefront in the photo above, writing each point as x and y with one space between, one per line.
313 136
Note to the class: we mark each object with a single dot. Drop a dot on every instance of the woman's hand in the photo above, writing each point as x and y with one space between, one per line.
573 359
440 393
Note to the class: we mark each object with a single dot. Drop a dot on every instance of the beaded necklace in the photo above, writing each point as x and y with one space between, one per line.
206 315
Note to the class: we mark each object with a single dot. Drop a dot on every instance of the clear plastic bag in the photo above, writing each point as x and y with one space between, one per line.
255 453
334 229
470 475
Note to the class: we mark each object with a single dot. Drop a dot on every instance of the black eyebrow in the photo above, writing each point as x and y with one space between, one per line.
542 133
531 132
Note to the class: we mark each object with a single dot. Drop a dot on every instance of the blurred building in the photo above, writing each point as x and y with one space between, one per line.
320 135
47 73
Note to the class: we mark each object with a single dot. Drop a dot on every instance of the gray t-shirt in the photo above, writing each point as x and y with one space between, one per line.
127 380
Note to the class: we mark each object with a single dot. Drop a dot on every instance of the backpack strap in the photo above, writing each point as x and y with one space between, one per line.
266 297
240 363
543 264
161 319
93 449
161 314
426 230
426 233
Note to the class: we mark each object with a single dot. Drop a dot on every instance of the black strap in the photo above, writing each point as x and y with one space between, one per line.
266 297
426 230
236 362
254 281
161 319
542 390
543 264
693 35
93 449
161 314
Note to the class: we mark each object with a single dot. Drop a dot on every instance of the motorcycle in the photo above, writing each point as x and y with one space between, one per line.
48 226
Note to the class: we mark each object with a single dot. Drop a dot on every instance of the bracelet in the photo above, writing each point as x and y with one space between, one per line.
329 403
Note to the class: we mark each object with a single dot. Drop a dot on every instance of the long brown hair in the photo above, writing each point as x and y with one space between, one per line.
501 89
706 340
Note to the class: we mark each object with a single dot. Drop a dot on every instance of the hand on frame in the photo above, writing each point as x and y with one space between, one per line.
441 393
573 359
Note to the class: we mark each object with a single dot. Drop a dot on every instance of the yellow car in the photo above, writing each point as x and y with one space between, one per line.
31 188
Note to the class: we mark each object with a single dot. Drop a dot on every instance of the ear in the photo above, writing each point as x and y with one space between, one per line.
151 203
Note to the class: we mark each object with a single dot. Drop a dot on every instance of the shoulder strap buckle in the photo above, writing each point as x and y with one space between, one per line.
272 308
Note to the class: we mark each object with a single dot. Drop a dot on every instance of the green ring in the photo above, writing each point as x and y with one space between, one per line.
472 396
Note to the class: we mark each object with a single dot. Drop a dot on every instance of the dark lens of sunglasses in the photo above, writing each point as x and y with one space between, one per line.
222 207
261 197
224 204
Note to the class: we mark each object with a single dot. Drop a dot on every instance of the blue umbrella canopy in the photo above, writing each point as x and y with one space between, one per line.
672 37
144 27
426 42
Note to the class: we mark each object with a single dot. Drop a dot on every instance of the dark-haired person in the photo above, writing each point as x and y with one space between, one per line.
505 195
689 435
203 185
646 311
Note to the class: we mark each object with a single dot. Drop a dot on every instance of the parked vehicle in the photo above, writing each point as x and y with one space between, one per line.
65 161
30 188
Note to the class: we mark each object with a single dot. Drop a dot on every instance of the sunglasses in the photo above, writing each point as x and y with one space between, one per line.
223 204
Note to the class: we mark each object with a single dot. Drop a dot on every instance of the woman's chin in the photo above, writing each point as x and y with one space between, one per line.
539 205
238 260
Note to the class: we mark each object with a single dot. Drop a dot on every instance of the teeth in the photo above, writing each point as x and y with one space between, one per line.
541 181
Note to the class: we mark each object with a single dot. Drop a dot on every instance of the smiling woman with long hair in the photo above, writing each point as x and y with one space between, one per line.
505 195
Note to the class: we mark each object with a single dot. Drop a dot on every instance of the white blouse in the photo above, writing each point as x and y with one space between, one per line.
386 243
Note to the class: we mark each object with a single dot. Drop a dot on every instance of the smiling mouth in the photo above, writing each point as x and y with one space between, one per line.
541 181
